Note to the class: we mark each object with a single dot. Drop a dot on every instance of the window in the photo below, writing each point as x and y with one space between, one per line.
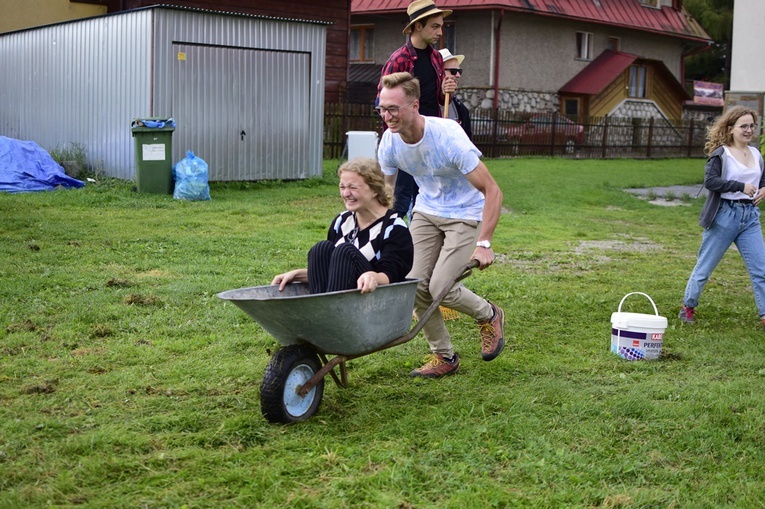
362 44
614 43
584 45
650 3
637 81
571 107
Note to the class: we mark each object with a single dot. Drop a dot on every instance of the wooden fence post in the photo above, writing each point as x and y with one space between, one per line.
690 138
650 137
604 141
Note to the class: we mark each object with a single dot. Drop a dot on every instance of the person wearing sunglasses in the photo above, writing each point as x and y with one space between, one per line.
457 110
419 58
735 178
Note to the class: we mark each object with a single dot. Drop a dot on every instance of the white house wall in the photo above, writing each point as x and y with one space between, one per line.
747 73
78 82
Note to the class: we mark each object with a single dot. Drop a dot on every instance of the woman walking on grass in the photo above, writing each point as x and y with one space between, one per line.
735 180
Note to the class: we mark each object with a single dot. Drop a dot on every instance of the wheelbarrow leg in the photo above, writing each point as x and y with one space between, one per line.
319 375
343 380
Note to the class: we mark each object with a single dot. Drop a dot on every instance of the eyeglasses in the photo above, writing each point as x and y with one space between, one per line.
454 71
393 110
747 127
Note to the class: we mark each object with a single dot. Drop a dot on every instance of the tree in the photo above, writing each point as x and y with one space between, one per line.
716 17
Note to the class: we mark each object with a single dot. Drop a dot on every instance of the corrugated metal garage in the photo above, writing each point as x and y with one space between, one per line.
246 92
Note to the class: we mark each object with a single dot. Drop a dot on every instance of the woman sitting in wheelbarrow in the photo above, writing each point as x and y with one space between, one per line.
367 245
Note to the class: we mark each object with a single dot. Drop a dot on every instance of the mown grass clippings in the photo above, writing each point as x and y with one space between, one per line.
125 381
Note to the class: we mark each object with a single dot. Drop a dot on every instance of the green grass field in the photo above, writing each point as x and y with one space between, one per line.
125 381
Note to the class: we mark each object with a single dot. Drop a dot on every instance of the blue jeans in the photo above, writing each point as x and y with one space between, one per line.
734 223
404 195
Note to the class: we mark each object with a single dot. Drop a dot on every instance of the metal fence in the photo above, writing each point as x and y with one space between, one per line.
508 134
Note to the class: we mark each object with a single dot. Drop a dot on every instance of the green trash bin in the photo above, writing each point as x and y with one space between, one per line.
153 154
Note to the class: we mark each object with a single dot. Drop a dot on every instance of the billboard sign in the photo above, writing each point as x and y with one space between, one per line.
705 92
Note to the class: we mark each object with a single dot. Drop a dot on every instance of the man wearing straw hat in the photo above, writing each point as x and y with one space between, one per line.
419 58
456 110
453 221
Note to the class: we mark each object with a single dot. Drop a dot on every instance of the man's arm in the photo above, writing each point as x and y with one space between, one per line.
391 180
485 183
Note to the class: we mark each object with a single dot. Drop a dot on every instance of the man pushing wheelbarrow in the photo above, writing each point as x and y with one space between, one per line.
457 209
326 313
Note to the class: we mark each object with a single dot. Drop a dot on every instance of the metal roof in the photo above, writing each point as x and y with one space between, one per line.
600 73
622 13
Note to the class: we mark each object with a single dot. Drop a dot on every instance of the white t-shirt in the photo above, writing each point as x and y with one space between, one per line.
438 163
734 170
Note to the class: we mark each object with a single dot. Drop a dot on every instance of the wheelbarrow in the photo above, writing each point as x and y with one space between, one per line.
312 327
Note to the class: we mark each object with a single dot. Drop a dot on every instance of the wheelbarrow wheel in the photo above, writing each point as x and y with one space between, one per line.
289 368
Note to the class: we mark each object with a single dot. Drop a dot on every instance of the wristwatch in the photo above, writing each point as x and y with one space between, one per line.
483 243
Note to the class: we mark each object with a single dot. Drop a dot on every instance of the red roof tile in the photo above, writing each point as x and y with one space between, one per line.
623 13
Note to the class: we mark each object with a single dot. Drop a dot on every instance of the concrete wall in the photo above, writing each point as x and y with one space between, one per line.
539 53
536 52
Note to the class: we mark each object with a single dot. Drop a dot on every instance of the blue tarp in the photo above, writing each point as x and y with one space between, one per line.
25 167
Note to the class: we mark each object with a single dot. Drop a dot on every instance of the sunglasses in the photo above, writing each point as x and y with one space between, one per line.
454 71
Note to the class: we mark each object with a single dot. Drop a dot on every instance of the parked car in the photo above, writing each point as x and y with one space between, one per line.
482 127
541 130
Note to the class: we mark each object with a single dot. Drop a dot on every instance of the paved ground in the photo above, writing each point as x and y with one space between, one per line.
678 194
676 191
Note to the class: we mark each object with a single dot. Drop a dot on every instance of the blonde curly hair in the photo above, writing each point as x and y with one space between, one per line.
721 131
369 170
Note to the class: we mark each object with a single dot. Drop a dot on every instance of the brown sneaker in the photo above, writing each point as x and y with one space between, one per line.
492 334
436 366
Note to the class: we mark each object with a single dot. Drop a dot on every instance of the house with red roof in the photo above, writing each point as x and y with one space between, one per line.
577 57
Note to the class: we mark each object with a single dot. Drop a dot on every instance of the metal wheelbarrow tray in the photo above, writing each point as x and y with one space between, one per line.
309 327
340 323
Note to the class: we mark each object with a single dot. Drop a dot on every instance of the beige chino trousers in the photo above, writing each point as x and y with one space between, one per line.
442 248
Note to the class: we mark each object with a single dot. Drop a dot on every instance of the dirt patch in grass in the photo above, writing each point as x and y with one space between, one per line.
119 283
141 300
636 245
25 326
584 256
40 387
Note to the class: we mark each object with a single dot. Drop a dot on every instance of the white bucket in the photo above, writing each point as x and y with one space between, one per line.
636 336
362 144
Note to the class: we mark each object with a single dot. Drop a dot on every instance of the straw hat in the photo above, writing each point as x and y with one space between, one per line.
448 56
420 9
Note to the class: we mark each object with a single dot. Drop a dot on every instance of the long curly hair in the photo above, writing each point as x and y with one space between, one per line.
721 131
369 170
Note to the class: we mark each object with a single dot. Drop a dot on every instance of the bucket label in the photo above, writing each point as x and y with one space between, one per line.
636 345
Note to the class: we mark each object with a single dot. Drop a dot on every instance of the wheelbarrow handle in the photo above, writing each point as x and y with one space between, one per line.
422 320
465 273
341 359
